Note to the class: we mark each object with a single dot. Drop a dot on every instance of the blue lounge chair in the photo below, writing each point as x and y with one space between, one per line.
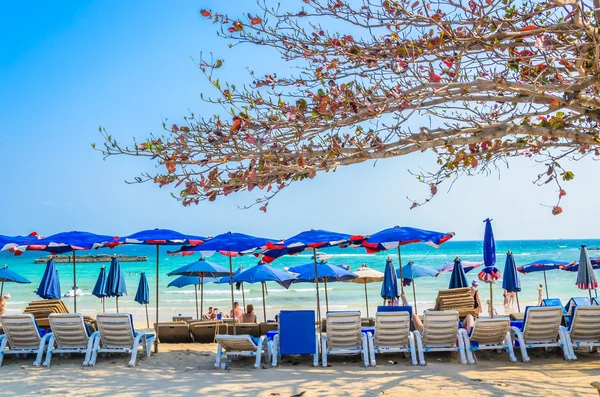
297 336
584 330
554 302
22 336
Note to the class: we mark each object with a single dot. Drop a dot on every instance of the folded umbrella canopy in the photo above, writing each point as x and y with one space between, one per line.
458 278
325 272
8 276
99 290
389 286
142 296
541 266
262 273
511 281
200 269
586 278
412 271
49 287
397 236
366 275
490 274
115 282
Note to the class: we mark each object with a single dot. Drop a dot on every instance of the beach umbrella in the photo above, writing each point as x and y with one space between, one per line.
238 286
586 279
542 266
574 266
12 242
142 296
159 237
184 281
8 276
200 269
466 265
325 272
261 273
490 274
49 287
458 278
389 286
310 240
298 269
397 236
411 271
511 281
99 290
69 242
366 275
231 245
115 282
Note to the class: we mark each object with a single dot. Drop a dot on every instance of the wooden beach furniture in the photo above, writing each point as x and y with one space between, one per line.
541 328
392 334
183 318
240 345
174 332
247 329
70 334
266 327
584 330
489 334
206 331
41 309
458 299
297 336
440 333
344 336
117 335
22 336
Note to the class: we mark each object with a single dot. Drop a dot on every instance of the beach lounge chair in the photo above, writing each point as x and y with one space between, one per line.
182 318
266 327
584 330
247 329
541 328
392 334
344 336
458 299
489 334
116 335
240 345
69 334
22 336
440 333
206 331
174 332
575 302
297 336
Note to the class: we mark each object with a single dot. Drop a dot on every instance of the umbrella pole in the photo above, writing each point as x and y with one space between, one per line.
318 300
400 263
201 297
518 305
545 281
117 304
366 299
590 292
326 296
74 285
264 302
491 302
196 294
2 289
156 324
414 295
232 298
103 305
147 319
243 297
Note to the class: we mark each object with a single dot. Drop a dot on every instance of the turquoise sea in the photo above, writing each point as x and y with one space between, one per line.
342 296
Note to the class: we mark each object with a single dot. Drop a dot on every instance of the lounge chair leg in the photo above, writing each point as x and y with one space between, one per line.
259 350
49 352
92 361
519 335
365 350
274 350
316 355
3 342
136 346
509 347
90 347
461 348
41 350
565 345
218 358
324 350
469 353
372 349
420 347
413 348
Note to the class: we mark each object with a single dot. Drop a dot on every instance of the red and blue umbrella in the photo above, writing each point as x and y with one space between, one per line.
466 265
99 290
325 272
49 287
142 296
586 278
389 286
8 276
115 281
541 266
511 281
410 272
458 279
12 242
490 274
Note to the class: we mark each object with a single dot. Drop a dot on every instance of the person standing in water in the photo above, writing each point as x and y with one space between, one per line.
540 298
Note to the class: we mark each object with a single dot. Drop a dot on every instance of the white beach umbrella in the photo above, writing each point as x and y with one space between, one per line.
367 275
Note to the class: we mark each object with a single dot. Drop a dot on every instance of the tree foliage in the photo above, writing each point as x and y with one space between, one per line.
475 82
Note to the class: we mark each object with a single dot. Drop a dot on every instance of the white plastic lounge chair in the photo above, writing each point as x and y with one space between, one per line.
344 336
116 335
441 334
489 334
69 335
584 330
22 336
392 334
240 345
541 328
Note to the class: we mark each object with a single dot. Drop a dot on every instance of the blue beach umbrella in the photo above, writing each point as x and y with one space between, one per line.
298 269
238 286
389 286
541 266
12 242
115 282
99 290
511 281
325 272
490 273
261 273
200 269
586 279
184 281
49 287
8 276
412 271
142 296
458 278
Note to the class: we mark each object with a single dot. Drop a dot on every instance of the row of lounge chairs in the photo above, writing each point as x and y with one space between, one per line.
70 334
204 331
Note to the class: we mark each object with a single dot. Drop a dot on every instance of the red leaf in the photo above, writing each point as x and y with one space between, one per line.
256 21
448 62
472 6
434 78
237 123
528 28
562 193
556 210
205 13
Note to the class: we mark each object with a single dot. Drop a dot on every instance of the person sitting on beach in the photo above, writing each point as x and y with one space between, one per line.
249 316
236 312
210 315
476 299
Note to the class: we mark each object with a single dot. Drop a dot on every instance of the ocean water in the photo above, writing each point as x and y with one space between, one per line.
342 296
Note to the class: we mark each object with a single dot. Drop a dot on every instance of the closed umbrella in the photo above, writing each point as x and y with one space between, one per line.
511 281
490 273
366 275
8 276
200 269
586 279
389 286
99 290
458 278
325 272
142 296
49 287
412 271
115 282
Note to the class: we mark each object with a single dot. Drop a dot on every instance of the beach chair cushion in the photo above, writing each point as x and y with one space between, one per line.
116 329
541 323
585 326
297 332
69 330
553 302
344 330
440 328
240 343
577 301
392 329
489 330
22 331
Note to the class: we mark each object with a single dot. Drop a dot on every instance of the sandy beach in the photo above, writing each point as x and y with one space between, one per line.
187 369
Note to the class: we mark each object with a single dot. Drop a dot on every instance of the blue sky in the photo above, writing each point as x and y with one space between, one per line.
68 67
